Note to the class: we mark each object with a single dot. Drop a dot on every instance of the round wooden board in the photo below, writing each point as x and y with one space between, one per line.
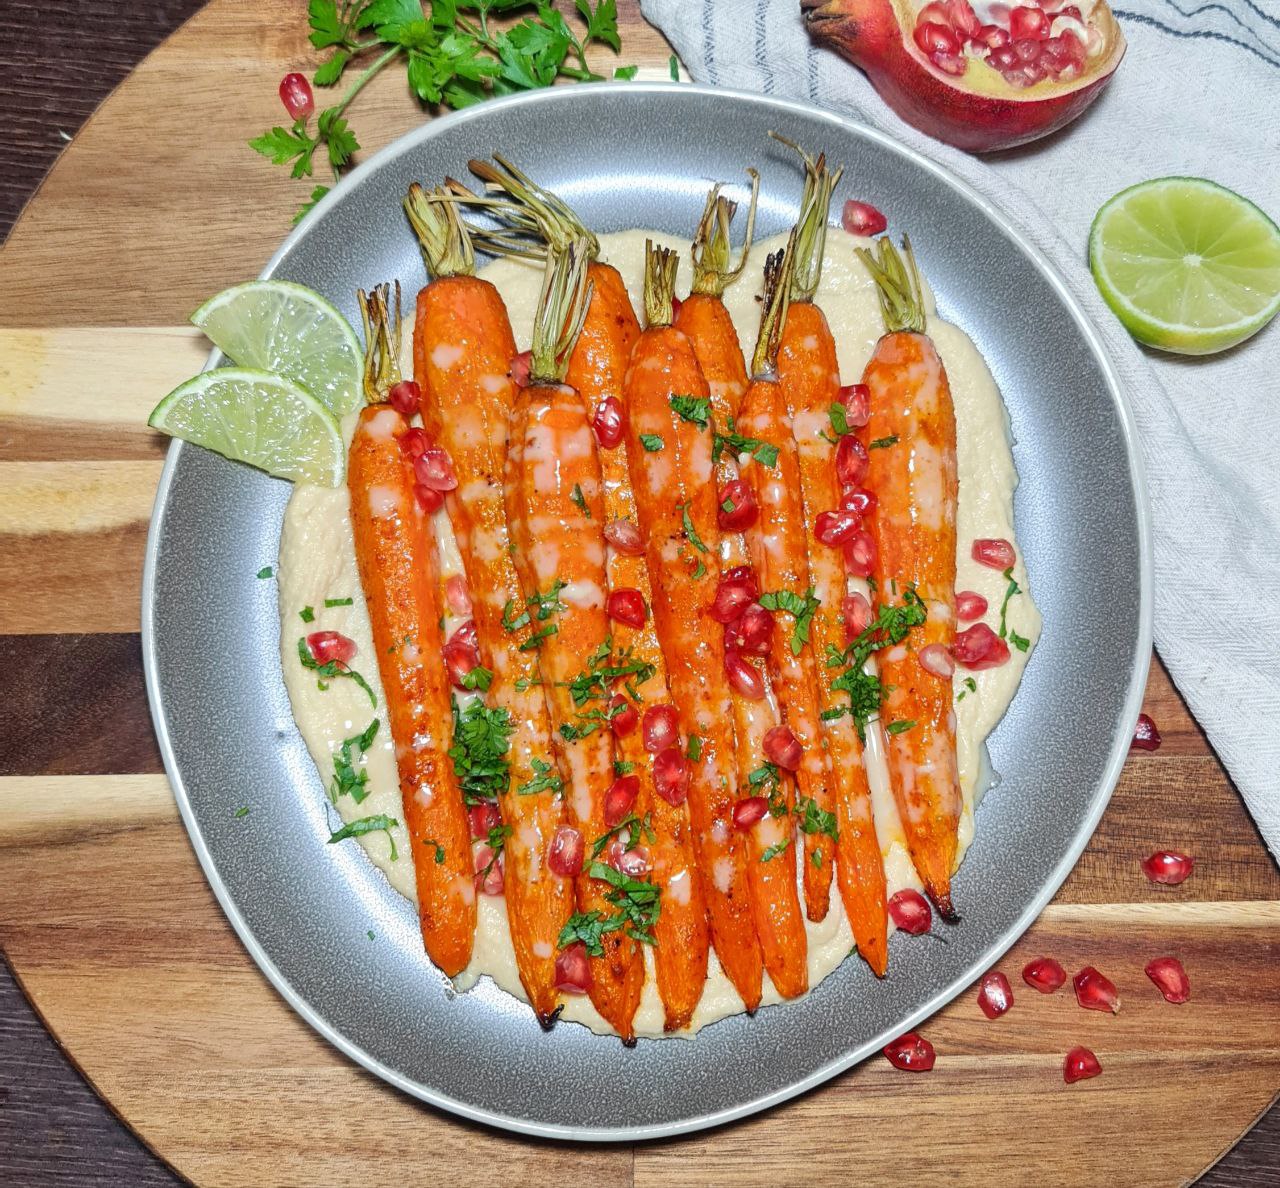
110 927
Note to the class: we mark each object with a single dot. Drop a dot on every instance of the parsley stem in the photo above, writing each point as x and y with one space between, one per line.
369 72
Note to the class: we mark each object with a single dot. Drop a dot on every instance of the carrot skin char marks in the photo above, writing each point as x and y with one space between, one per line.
914 526
551 458
668 485
462 349
396 556
597 368
809 375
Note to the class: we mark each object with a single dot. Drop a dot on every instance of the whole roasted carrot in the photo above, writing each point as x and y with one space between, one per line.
911 440
396 555
810 379
668 439
462 351
555 509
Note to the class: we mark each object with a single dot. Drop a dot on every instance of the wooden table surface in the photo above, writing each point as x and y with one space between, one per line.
103 913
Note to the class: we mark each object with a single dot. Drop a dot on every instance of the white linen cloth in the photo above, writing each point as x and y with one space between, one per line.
1198 94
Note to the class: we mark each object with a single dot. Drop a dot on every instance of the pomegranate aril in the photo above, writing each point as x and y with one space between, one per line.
429 499
995 995
1146 735
565 853
752 632
1168 867
414 442
910 912
744 677
782 748
861 218
834 528
851 461
737 509
296 95
482 817
1095 991
461 653
970 606
935 658
993 37
435 469
659 728
856 611
620 799
521 365
963 19
634 863
858 500
1170 978
733 596
1079 1065
623 716
457 595
911 1053
936 38
626 606
671 775
573 969
856 398
1044 974
1004 58
1027 49
748 811
1028 22
404 397
608 422
624 537
488 869
994 553
860 554
979 647
330 645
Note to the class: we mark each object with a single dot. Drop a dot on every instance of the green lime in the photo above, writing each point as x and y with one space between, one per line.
1187 265
255 417
290 330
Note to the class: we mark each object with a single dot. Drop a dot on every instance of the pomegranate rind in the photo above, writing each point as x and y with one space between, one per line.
977 111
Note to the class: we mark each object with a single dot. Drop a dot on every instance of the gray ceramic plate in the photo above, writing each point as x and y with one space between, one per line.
643 155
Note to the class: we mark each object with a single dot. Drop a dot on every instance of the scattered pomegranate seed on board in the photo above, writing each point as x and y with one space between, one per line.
1044 974
296 95
1146 735
1170 978
995 995
911 1053
1168 867
1079 1065
1095 991
910 911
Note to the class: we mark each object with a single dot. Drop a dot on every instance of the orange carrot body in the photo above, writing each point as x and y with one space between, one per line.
396 555
462 348
914 526
705 321
810 379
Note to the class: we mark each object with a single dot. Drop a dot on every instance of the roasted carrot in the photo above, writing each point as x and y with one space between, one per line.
810 378
911 437
668 439
462 351
396 555
555 508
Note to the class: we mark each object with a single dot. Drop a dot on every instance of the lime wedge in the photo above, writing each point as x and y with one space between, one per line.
255 417
1187 265
292 331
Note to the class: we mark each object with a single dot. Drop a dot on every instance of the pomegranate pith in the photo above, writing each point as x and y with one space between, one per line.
1095 991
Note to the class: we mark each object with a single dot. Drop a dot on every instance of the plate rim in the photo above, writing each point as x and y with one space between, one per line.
1139 669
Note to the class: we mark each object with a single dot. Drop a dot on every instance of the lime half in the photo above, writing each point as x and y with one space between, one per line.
1187 265
290 330
255 417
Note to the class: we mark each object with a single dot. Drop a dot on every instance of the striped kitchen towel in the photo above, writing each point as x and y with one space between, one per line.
1198 94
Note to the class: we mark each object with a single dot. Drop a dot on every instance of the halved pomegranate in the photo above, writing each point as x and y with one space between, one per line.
982 75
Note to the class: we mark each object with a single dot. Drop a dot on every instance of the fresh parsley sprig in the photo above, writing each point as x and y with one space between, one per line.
481 738
348 780
801 608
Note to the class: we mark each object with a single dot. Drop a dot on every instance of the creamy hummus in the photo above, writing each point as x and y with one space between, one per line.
317 563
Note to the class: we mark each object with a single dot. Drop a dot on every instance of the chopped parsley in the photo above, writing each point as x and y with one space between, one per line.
580 499
1010 590
839 418
623 767
761 451
363 825
481 738
347 779
548 604
478 678
774 850
496 841
331 668
690 532
369 934
802 610
545 779
638 905
337 602
637 830
242 811
766 781
700 571
899 727
524 684
514 624
652 442
266 571
814 819
694 409
538 636
881 443
307 614
1019 641
970 686
695 748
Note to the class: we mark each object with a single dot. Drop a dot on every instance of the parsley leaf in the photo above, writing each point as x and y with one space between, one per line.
363 825
695 748
580 499
338 602
1019 641
652 442
814 819
307 614
690 532
1010 590
762 451
544 779
347 780
801 608
774 850
266 571
838 415
521 620
481 739
478 678
881 442
694 409
899 727
331 668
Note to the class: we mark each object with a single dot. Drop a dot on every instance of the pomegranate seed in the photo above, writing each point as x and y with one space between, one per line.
671 775
457 595
752 633
994 554
1044 974
934 38
953 64
405 398
625 719
428 499
993 37
851 461
995 995
856 398
565 853
970 606
296 95
1080 1064
1146 735
573 970
624 537
746 576
858 500
627 607
460 657
963 19
782 748
608 422
857 615
1170 978
744 677
979 647
414 442
910 912
1095 991
488 870
1028 22
748 811
482 817
620 799
934 11
733 596
660 728
861 218
834 528
520 367
1003 58
1168 867
635 863
737 509
861 554
936 659
435 469
1071 11
329 645
1027 50
911 1053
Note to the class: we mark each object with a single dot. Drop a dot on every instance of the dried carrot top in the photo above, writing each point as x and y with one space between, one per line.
711 248
444 238
562 308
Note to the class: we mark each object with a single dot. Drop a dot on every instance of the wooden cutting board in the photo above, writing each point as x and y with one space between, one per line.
116 938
